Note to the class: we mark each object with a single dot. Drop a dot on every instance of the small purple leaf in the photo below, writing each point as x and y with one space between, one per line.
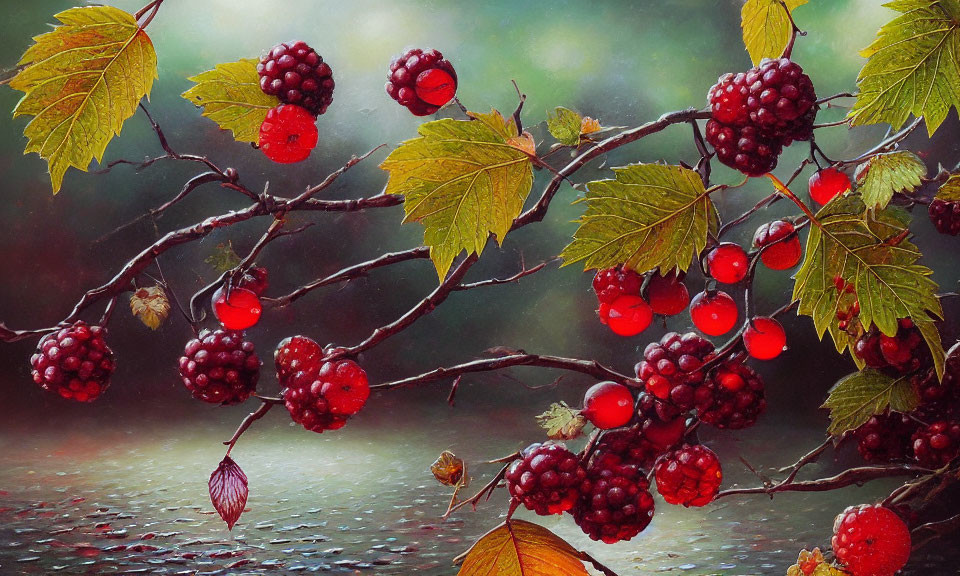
228 491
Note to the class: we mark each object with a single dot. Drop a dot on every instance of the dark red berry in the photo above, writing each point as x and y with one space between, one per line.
256 280
74 362
608 405
322 399
732 396
728 263
784 250
690 476
611 283
421 80
615 502
629 315
886 437
296 74
546 479
670 369
745 148
764 338
728 99
901 353
780 99
220 367
238 311
827 184
945 215
867 349
296 354
870 540
641 444
713 313
288 134
667 294
937 444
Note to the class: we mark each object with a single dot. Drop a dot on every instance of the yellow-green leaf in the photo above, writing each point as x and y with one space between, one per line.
650 216
151 306
462 180
949 191
884 175
519 548
913 66
812 563
562 422
81 81
766 27
224 257
230 95
564 125
858 396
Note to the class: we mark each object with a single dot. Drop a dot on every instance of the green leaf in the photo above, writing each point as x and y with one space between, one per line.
564 125
562 422
884 175
913 66
462 180
858 396
949 191
650 216
766 27
230 95
81 81
872 252
224 258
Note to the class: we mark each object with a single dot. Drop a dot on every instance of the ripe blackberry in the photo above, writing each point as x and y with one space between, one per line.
937 444
611 283
615 502
421 80
731 397
871 540
296 74
886 437
75 362
780 98
220 367
322 399
690 476
670 370
296 354
945 216
744 148
630 446
546 479
901 353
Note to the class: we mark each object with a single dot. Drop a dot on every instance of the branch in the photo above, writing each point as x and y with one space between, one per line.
497 281
487 491
936 530
853 476
250 419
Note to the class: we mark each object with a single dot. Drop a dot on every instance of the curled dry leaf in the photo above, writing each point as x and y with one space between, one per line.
151 306
562 422
812 563
228 491
448 469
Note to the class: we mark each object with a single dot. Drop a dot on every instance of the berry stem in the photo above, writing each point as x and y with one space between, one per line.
783 189
586 557
794 31
252 417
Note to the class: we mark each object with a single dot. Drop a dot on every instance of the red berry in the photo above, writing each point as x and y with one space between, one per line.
608 405
75 362
901 353
827 184
238 311
611 283
728 263
728 99
615 502
885 437
670 370
732 396
937 444
296 353
436 86
629 315
296 74
322 399
713 314
220 367
640 445
784 246
546 479
945 215
690 476
764 338
256 280
288 134
421 80
667 294
871 540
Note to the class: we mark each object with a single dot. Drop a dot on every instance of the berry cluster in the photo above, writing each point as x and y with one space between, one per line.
754 114
75 362
615 503
220 367
901 353
421 80
945 215
546 479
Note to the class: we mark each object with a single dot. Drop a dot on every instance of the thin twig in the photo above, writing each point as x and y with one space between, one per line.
250 419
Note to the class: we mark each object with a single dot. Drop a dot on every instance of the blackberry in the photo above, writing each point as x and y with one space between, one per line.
781 98
641 444
322 398
220 367
886 437
937 444
690 476
744 148
670 370
546 479
611 283
295 354
901 353
731 397
75 362
945 215
421 80
296 74
615 502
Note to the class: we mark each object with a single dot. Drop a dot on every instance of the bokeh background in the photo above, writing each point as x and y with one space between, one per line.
145 448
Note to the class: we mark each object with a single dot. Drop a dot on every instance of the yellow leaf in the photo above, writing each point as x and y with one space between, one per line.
766 27
562 422
588 126
812 563
524 143
518 548
150 305
230 95
81 81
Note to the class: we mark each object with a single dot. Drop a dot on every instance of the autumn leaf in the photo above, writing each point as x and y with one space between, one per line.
589 126
884 175
564 125
913 66
462 180
448 469
562 422
224 257
858 396
228 491
230 95
519 548
949 191
766 27
812 563
81 81
150 305
650 216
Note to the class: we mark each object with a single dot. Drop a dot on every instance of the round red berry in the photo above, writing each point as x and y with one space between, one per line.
713 313
546 479
667 294
611 283
938 443
871 540
764 338
728 263
288 134
629 315
690 476
608 405
74 362
436 86
784 249
827 184
297 353
220 367
238 311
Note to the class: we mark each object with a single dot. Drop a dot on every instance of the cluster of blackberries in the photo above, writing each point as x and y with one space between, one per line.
74 362
754 114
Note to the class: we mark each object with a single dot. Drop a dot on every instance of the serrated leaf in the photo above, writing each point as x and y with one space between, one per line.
913 66
650 216
564 125
463 181
81 81
562 422
520 548
884 175
858 396
766 27
872 252
228 491
151 306
949 191
224 257
230 95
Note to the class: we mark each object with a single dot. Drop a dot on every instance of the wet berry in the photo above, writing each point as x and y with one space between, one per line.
670 369
611 283
827 184
728 263
220 367
713 313
690 476
945 215
288 134
546 479
238 311
629 315
421 80
667 294
886 437
295 354
608 405
732 396
615 502
74 362
764 338
937 444
870 540
901 353
784 245
323 398
296 74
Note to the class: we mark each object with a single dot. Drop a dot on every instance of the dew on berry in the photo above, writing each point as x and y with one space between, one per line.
238 311
728 263
714 313
629 315
608 405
